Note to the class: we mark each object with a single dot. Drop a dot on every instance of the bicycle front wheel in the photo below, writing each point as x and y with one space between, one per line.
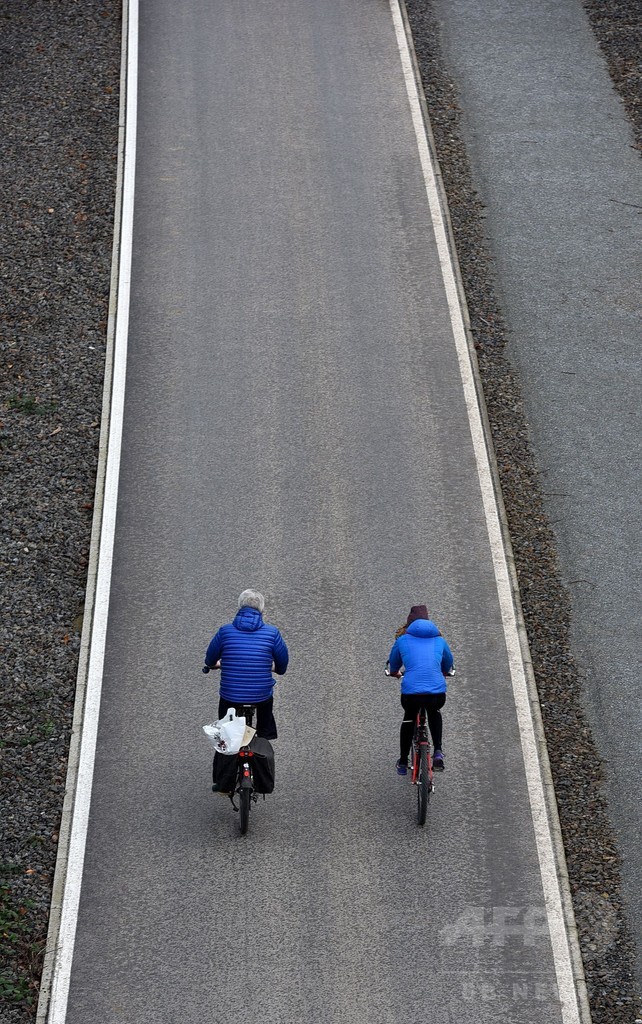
244 809
423 785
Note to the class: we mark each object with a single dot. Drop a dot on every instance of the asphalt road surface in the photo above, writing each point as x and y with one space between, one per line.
295 421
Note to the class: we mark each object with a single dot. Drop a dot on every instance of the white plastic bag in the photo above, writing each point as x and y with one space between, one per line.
227 735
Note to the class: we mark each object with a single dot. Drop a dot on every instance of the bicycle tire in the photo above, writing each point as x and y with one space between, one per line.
423 785
244 809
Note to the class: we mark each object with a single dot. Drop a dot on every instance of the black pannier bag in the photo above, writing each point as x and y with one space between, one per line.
262 765
225 771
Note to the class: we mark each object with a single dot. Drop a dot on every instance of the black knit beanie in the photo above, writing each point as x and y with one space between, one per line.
418 611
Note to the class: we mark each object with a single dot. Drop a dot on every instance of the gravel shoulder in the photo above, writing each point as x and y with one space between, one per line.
59 123
59 126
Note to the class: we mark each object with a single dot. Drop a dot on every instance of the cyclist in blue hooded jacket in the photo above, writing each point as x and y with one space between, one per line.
426 658
248 650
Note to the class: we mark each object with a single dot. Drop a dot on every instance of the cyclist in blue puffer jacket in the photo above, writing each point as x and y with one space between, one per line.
426 658
248 649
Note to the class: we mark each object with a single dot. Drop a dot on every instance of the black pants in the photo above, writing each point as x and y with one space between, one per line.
265 724
411 702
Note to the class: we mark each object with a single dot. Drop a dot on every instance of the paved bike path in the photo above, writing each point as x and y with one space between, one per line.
295 421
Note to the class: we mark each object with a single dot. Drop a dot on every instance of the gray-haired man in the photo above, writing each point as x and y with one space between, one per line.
248 650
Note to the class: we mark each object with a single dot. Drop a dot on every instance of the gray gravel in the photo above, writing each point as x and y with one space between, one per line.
59 68
58 111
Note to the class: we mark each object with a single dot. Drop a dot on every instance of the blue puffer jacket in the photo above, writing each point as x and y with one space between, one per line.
425 656
247 648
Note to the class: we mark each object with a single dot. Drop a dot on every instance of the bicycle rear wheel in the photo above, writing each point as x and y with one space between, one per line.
423 785
244 809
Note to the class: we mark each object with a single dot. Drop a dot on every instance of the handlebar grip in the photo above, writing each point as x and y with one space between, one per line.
205 669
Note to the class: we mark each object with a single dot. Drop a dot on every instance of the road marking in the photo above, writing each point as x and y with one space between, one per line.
568 972
52 1006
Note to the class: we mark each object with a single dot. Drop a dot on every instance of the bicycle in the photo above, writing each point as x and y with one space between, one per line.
240 775
244 778
254 776
421 774
421 768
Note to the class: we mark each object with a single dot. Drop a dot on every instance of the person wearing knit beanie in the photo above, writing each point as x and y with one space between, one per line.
418 611
426 658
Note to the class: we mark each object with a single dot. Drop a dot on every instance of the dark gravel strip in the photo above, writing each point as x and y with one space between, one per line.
59 83
591 850
617 25
59 76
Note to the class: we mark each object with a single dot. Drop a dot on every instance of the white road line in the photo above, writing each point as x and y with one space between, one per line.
567 981
55 993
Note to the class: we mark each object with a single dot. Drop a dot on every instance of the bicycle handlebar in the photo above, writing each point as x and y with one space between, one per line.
210 668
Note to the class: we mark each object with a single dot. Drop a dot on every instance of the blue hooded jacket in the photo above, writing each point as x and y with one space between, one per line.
425 656
247 648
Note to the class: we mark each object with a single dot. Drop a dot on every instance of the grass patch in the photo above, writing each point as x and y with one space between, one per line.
19 952
31 406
